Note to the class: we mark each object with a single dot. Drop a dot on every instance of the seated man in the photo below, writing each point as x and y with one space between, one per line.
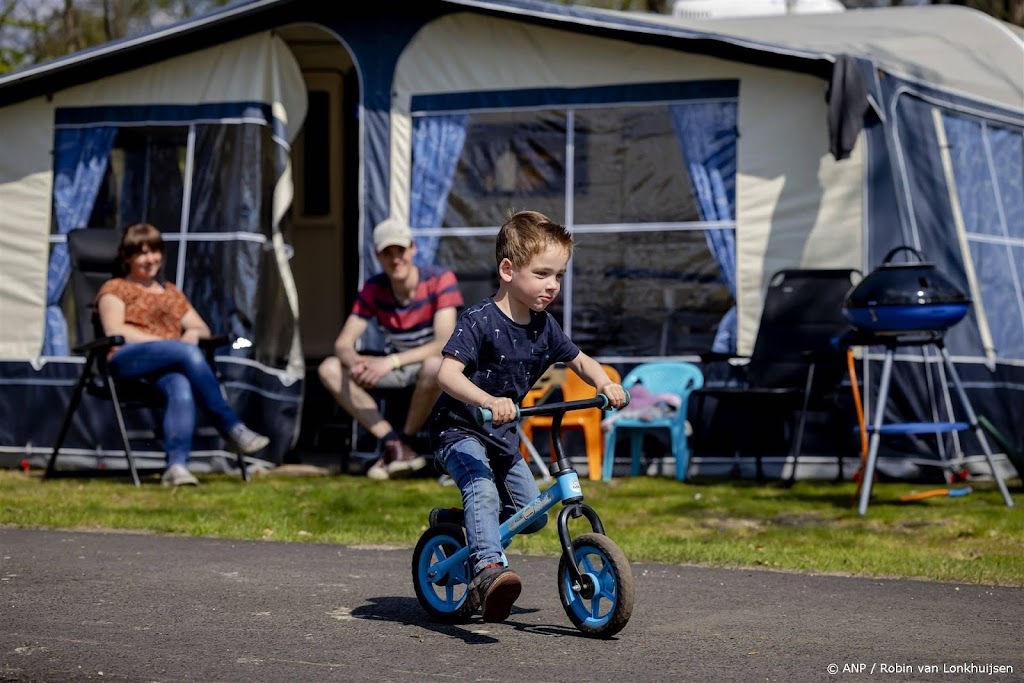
415 307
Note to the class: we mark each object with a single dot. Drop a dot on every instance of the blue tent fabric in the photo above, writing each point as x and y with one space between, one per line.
909 202
707 136
987 165
437 142
216 253
80 162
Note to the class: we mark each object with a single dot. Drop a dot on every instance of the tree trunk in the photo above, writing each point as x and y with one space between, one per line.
72 38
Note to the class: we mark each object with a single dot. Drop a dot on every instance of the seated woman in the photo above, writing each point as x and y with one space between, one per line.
162 331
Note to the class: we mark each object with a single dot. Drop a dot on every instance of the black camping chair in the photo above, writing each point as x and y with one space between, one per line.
94 260
795 364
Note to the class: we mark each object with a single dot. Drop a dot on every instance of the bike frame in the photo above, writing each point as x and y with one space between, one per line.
565 489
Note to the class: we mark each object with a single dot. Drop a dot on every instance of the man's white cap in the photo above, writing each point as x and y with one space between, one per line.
391 233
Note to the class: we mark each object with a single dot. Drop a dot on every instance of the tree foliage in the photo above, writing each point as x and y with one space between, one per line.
33 31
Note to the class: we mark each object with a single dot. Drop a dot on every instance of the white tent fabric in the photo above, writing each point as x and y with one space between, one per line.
259 68
784 169
25 179
950 47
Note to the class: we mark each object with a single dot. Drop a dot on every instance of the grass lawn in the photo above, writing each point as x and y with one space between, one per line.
812 527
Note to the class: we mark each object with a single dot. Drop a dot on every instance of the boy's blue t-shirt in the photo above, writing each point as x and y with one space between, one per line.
504 359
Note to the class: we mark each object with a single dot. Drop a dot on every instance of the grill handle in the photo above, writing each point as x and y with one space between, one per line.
892 252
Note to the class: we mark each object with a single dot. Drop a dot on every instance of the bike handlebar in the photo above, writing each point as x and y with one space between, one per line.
600 401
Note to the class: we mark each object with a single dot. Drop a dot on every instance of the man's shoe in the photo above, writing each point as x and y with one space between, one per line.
401 459
178 475
497 588
378 470
447 516
246 441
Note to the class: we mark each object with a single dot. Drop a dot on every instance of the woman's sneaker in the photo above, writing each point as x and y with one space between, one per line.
178 475
497 588
246 441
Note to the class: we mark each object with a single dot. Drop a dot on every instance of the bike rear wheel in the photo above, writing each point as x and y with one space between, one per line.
604 607
448 599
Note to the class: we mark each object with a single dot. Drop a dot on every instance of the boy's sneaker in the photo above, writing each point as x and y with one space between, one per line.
246 441
497 589
178 475
401 459
454 516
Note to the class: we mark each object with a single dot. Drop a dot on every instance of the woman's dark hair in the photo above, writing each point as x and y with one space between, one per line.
135 239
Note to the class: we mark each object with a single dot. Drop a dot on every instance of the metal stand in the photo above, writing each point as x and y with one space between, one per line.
876 428
545 475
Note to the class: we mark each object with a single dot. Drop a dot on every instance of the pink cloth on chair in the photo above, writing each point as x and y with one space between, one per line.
643 405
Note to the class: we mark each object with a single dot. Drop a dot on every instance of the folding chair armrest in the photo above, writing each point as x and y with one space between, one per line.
718 357
213 343
209 346
99 344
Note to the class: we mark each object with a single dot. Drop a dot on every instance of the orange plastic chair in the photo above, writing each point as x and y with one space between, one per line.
589 421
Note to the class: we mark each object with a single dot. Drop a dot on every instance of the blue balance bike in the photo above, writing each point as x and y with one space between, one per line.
595 582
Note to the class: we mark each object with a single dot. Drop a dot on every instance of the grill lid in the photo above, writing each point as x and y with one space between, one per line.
912 296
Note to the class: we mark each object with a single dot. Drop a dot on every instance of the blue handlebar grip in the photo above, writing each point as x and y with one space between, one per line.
608 404
485 415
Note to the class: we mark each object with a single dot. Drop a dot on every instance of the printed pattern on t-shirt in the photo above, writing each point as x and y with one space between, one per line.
152 311
410 325
504 359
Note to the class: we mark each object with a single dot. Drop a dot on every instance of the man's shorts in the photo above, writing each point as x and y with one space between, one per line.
404 376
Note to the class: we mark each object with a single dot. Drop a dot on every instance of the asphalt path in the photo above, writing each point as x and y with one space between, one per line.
81 606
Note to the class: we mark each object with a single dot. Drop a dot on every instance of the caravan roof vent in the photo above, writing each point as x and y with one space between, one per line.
723 9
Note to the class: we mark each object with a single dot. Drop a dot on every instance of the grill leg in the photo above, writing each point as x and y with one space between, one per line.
975 426
868 473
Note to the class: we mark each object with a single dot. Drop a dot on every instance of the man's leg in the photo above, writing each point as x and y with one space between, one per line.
356 401
399 458
424 396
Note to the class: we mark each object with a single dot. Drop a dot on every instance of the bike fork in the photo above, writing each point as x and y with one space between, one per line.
580 583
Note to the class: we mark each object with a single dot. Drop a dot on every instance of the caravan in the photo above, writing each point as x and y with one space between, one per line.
691 158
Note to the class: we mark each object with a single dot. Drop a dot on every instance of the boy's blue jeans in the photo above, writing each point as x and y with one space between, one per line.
492 491
180 371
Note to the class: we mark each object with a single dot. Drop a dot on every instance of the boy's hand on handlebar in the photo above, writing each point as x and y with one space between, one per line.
616 394
502 410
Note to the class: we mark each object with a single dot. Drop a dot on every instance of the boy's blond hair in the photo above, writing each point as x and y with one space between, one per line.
525 234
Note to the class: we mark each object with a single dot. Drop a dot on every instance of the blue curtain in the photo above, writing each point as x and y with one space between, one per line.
436 146
151 184
80 162
707 137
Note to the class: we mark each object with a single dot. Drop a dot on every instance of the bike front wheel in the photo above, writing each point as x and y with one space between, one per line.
448 599
605 604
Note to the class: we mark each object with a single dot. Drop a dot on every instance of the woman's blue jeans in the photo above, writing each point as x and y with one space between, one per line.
180 371
493 489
